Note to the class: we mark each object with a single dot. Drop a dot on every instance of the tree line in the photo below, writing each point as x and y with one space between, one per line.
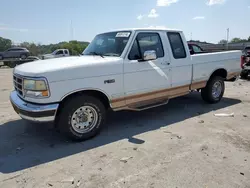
234 40
75 47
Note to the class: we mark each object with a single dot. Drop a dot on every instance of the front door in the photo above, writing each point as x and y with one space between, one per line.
146 80
59 53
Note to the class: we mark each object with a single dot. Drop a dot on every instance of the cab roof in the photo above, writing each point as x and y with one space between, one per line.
146 29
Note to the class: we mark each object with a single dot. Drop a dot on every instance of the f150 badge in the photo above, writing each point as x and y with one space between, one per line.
109 81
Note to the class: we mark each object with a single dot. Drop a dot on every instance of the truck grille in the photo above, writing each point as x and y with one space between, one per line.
18 84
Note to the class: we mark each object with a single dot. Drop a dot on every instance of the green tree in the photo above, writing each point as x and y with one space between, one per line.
5 44
75 47
25 44
34 49
248 39
223 41
234 40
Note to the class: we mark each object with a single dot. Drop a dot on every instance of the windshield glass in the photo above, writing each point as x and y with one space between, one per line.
108 44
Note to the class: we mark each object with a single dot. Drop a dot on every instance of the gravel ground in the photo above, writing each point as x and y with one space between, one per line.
181 144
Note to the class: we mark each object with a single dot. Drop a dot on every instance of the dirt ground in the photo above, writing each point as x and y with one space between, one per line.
179 145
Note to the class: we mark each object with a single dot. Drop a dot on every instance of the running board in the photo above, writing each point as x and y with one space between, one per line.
148 106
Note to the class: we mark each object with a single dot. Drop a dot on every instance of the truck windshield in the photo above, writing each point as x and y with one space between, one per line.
108 44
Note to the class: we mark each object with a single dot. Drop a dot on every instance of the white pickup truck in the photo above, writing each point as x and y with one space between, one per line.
130 69
56 54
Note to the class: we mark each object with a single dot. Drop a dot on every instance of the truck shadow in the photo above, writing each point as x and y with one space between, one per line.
25 145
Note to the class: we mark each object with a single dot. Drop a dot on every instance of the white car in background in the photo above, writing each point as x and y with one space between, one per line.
56 54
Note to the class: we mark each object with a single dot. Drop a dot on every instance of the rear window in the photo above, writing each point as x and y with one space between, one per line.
14 50
177 45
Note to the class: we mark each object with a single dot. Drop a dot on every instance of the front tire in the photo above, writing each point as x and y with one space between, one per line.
81 117
214 90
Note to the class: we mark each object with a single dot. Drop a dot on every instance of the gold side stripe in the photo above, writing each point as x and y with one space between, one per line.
198 85
156 95
232 75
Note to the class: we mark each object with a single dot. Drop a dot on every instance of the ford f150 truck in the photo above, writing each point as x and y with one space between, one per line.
130 69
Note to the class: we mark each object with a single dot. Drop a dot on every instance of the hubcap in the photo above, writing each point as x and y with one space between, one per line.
84 119
217 89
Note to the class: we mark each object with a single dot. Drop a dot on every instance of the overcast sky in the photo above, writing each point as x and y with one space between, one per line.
48 21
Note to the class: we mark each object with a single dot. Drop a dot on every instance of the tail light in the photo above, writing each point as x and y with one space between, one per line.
242 61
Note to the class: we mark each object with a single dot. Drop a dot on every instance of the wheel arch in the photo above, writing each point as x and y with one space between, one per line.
101 95
219 72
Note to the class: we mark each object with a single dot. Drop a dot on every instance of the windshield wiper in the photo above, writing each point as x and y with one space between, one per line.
94 53
111 54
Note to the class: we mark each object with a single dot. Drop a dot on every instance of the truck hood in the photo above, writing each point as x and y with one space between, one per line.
69 67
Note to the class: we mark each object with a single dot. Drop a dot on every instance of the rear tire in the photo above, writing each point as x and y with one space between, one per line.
81 117
214 90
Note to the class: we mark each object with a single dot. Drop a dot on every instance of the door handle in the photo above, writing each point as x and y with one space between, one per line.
165 63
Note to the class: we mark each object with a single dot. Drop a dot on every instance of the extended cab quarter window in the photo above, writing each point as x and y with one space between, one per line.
177 46
145 42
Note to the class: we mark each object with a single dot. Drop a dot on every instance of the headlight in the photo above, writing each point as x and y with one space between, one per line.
35 88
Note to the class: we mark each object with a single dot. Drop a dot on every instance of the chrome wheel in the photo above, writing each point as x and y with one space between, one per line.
217 89
84 119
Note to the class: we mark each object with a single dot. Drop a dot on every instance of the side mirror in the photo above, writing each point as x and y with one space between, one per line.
149 55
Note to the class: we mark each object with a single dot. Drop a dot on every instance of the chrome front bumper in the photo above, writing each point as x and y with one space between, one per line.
33 112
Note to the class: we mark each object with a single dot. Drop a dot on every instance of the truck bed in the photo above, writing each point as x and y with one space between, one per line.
205 63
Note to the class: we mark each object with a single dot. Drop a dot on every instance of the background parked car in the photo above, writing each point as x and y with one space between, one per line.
56 54
195 49
15 52
245 63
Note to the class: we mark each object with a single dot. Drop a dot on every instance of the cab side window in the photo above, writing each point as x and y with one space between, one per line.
59 52
66 52
145 42
177 45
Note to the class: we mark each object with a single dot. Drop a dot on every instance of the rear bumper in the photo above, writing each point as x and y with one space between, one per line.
33 112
